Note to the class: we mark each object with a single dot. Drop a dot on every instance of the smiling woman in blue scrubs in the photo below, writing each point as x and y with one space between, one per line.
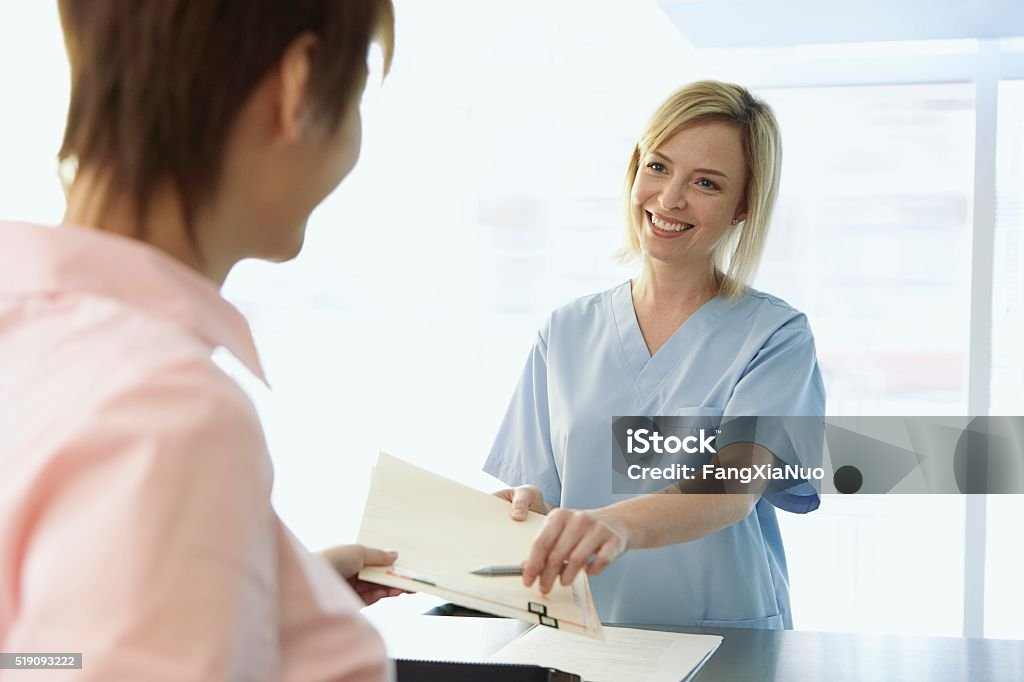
687 336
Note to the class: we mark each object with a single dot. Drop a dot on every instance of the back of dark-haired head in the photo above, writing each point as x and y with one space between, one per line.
157 84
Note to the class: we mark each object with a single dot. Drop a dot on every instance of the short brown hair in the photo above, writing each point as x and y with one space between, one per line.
157 84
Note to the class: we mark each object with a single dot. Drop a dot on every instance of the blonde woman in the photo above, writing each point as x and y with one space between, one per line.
687 336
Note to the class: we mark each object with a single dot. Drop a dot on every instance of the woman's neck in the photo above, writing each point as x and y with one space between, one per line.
93 204
665 288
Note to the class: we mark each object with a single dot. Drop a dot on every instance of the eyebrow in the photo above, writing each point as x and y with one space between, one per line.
706 171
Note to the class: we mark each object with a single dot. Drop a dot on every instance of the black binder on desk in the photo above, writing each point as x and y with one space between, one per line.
445 671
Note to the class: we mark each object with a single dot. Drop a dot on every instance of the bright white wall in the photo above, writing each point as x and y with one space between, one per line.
34 78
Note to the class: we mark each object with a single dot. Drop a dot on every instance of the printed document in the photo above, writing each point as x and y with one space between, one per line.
625 655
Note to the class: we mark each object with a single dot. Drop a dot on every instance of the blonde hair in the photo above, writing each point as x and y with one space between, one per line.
736 256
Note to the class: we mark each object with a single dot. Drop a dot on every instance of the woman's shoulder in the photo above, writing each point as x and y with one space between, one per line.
583 312
174 373
771 311
110 363
589 305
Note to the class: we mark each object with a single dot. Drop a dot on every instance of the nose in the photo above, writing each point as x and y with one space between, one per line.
673 196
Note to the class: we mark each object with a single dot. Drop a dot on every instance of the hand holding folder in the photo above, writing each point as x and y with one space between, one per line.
444 530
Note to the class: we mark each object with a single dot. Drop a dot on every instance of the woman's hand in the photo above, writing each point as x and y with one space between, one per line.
523 498
348 560
571 541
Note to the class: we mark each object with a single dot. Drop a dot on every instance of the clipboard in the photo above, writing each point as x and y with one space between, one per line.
444 671
442 530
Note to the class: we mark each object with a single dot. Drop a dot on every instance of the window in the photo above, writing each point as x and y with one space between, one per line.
872 239
1004 589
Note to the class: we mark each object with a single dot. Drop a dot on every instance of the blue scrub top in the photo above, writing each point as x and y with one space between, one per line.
751 357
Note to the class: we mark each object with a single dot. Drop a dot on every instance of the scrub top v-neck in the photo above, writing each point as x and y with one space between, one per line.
650 370
589 362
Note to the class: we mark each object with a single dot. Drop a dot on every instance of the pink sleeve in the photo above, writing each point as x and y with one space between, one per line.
151 542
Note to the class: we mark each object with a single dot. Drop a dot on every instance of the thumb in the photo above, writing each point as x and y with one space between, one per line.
378 557
521 503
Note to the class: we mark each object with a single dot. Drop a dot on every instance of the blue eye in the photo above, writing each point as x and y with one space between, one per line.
656 166
706 184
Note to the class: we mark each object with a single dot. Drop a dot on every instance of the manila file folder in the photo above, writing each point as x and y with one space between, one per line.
442 530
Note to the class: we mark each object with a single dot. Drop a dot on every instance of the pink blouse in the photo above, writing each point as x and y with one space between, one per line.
135 517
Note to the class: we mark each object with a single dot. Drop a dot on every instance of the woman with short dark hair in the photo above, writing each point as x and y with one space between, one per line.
136 523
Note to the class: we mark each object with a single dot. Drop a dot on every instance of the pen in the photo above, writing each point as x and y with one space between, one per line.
409 575
499 571
506 570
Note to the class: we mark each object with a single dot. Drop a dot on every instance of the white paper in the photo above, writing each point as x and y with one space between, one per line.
443 530
625 655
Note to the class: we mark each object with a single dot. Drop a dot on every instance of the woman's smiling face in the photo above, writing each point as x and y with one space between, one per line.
688 191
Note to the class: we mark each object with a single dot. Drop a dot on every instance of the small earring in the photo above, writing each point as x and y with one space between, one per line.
736 221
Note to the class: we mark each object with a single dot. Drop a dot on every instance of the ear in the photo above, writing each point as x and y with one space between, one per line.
741 211
294 70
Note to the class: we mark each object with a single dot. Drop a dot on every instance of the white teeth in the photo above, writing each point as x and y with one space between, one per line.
669 227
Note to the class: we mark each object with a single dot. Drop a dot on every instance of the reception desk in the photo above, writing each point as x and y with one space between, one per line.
761 655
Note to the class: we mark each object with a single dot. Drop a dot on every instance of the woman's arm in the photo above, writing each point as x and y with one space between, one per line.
159 532
575 540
